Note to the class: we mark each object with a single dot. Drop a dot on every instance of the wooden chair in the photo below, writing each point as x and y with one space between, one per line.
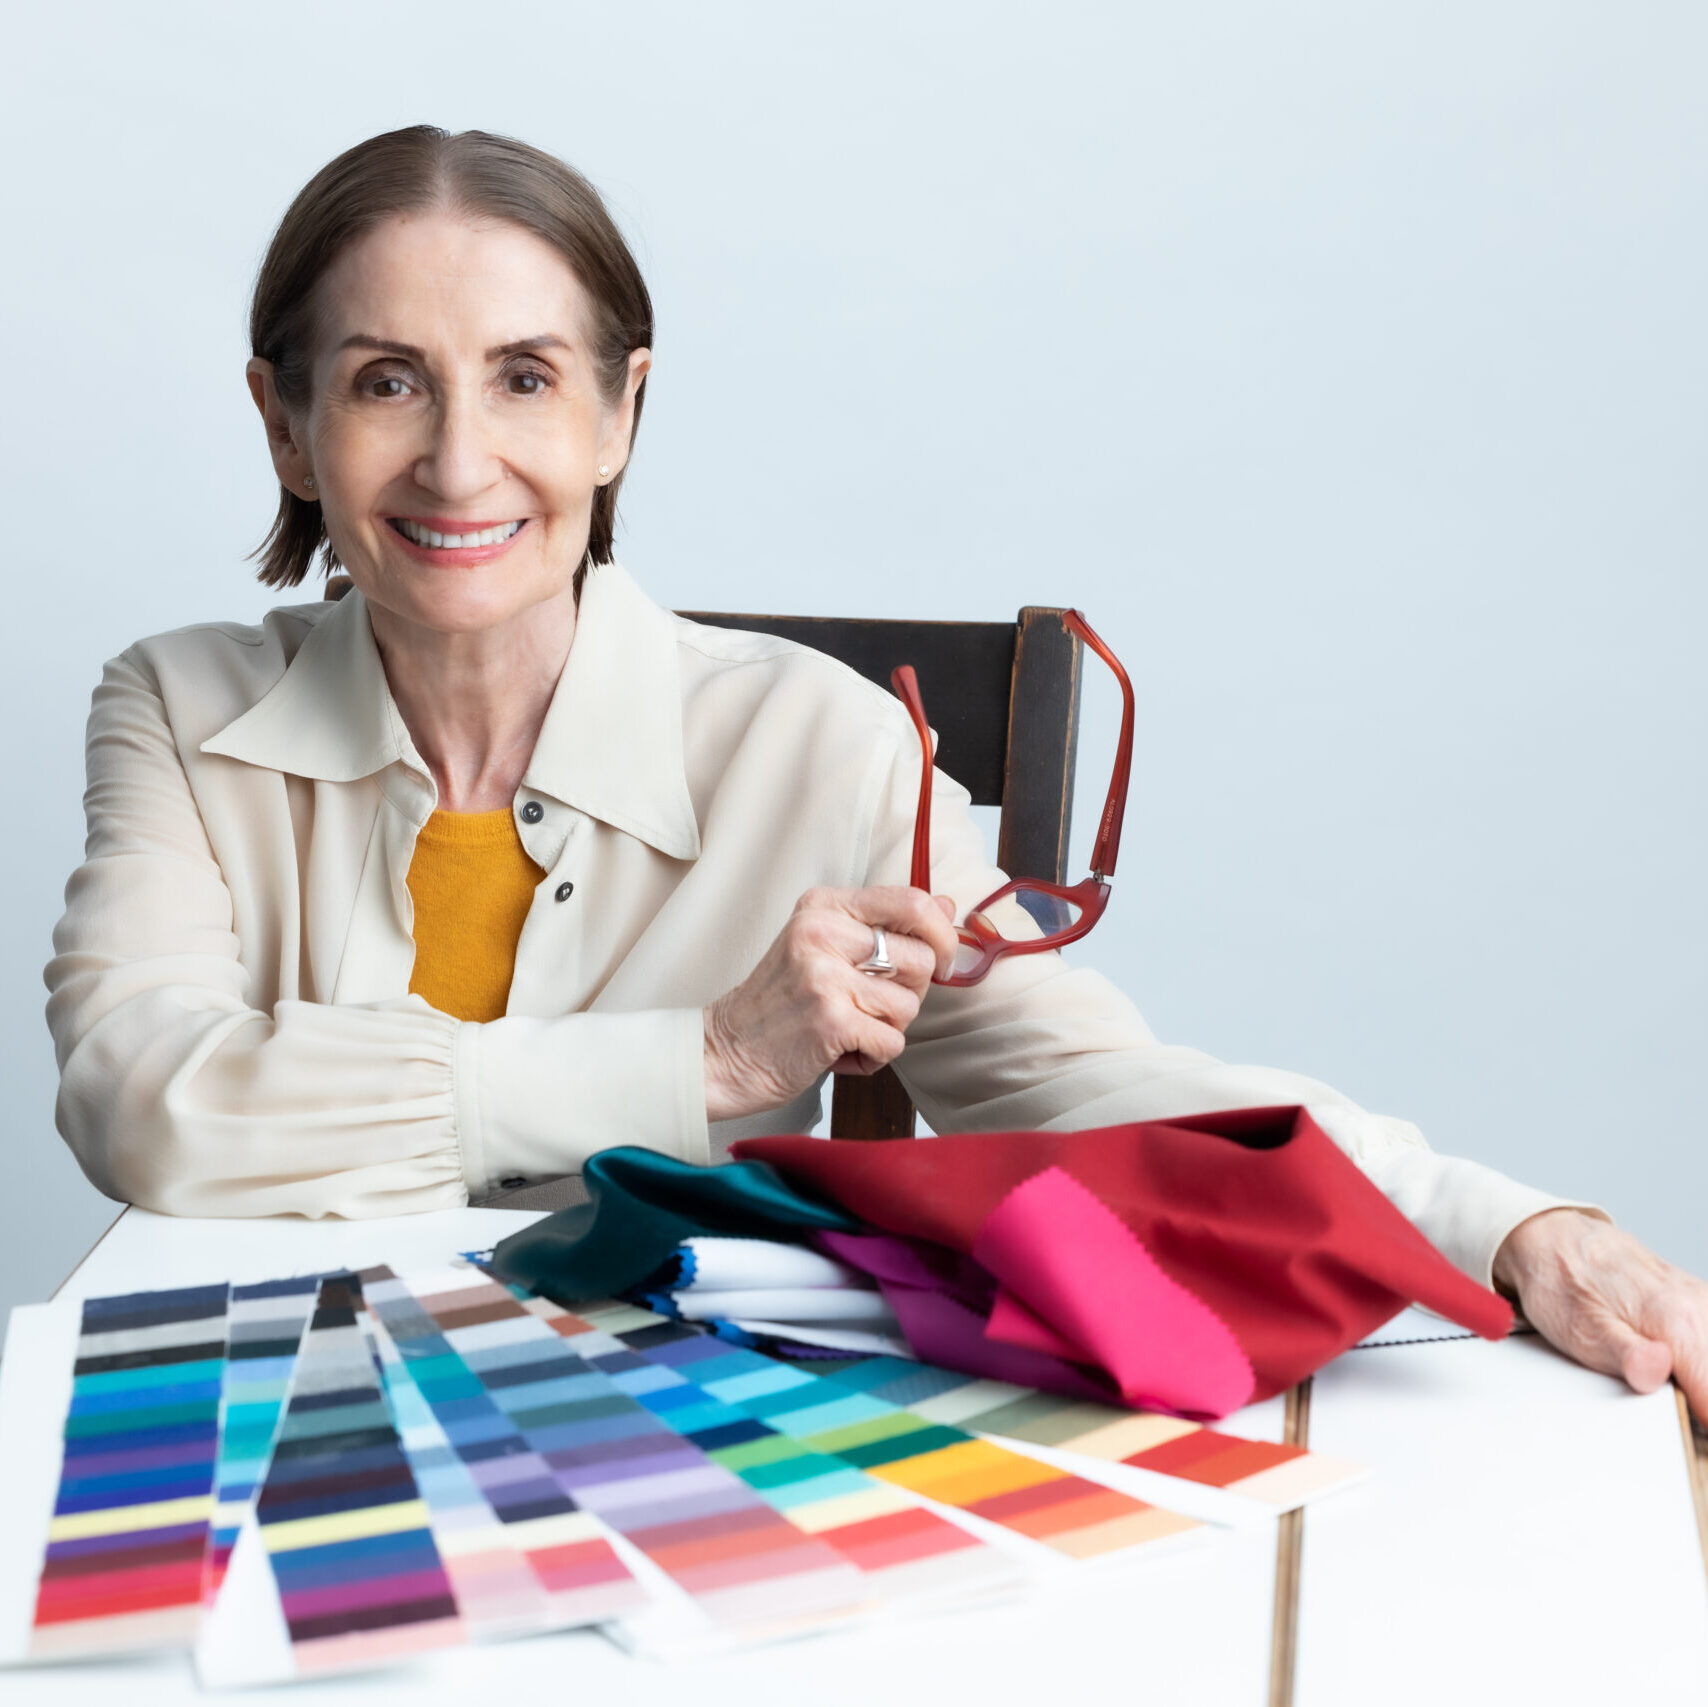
1004 699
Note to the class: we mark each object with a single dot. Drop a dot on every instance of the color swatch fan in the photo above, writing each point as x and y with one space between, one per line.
314 1475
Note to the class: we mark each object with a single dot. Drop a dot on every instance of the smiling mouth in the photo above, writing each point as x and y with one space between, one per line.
416 534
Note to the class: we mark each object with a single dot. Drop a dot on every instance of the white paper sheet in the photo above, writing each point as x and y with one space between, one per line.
35 1392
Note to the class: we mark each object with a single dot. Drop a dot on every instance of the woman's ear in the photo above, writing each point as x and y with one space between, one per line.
620 426
289 461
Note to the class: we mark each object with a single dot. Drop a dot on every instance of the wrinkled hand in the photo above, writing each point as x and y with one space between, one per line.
1606 1299
805 1008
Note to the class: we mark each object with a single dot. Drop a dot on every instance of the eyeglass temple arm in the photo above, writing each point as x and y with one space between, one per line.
1115 807
906 684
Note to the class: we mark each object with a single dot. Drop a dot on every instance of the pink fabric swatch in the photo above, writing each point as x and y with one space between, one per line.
1064 1259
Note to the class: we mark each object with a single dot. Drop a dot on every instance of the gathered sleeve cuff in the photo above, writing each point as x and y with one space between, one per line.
177 1103
536 1097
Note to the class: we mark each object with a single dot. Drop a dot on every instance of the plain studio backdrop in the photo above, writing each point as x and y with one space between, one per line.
1344 362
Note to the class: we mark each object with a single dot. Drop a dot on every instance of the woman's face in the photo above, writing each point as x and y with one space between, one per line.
456 430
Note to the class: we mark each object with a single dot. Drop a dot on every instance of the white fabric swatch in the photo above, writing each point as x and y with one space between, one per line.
786 1304
723 1264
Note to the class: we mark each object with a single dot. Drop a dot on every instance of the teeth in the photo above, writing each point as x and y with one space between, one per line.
454 541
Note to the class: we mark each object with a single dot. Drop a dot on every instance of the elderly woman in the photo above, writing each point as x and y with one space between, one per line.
425 895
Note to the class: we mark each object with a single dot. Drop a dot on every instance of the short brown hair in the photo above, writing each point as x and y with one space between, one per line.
405 171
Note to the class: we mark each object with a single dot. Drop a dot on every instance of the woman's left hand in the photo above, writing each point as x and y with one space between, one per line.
808 1008
1606 1299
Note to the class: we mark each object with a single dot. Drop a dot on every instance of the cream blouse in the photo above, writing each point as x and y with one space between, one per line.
229 996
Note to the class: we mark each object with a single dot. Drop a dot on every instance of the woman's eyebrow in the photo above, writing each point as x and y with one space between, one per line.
390 346
545 341
386 346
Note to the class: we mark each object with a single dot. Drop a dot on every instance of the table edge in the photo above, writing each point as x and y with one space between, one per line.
72 1272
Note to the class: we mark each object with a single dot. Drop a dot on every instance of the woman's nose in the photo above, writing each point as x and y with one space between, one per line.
462 456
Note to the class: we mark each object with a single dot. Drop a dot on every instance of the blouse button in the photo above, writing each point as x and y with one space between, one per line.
533 812
565 890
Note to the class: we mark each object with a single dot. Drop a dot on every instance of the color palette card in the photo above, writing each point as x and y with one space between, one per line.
108 1440
1276 1476
912 1556
1070 1515
353 1574
264 1328
496 1592
521 1553
491 1368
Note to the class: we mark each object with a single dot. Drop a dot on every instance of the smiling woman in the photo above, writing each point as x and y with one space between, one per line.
429 893
483 181
432 436
450 412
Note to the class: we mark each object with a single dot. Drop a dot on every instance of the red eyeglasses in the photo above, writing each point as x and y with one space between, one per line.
1045 915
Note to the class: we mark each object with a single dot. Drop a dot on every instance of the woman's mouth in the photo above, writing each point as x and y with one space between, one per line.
467 535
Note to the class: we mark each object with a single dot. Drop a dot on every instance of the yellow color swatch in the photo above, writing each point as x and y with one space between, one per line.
126 1519
344 1526
965 1473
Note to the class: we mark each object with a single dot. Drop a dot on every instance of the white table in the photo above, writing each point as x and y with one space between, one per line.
1530 1536
1524 1515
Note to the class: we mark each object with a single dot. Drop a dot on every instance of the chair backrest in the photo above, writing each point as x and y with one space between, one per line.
1004 699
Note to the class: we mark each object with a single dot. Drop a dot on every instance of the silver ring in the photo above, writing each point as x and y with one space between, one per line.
878 964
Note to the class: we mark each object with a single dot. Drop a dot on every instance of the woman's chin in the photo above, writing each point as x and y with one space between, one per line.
459 604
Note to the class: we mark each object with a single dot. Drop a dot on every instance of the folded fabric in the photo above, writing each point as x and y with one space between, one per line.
781 1298
713 1263
1191 1265
641 1208
818 1304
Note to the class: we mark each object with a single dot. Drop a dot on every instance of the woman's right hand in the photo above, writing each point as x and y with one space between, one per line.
805 1007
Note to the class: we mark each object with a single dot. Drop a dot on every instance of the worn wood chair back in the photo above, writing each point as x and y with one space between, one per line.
1004 699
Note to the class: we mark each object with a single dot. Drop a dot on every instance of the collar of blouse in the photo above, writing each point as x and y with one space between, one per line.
611 744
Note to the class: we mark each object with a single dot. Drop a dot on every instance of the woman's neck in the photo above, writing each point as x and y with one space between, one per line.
474 703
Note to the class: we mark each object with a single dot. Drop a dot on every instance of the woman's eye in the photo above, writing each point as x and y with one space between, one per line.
388 385
528 382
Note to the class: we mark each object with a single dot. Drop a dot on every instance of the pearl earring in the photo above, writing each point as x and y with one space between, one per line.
604 471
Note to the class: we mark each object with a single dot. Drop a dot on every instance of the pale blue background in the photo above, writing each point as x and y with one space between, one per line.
1345 362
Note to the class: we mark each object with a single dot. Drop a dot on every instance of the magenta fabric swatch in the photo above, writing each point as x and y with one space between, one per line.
943 1301
1077 1283
1059 1294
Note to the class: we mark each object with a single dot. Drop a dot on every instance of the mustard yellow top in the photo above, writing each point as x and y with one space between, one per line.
473 884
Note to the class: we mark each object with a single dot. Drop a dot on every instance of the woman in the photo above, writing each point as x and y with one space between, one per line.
429 893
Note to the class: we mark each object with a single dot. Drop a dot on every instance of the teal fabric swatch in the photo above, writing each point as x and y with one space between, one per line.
642 1206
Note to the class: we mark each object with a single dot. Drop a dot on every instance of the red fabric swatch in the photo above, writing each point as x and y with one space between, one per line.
1256 1214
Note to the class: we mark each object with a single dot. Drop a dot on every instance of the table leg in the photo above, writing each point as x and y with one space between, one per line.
1289 1557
